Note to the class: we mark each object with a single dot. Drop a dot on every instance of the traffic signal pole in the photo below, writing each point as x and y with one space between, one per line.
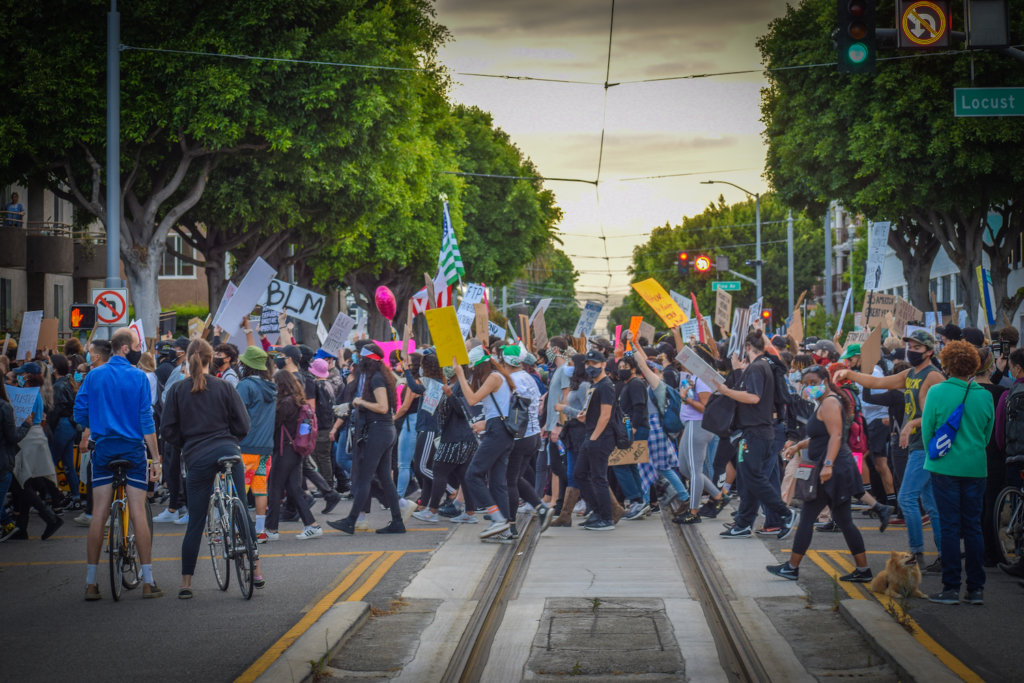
789 257
113 147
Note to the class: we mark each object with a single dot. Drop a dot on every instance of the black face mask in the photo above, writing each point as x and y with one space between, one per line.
625 375
593 373
915 357
279 362
133 357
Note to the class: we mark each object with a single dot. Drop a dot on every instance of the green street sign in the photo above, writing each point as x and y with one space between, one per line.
727 285
988 101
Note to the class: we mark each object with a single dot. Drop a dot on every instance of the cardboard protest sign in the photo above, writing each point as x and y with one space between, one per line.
542 306
796 327
524 327
22 399
871 350
904 312
856 337
659 300
695 365
875 308
448 339
48 334
483 328
636 453
253 287
28 342
304 304
195 327
646 331
723 308
338 334
540 331
588 318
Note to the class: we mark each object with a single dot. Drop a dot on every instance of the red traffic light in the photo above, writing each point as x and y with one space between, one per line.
683 256
766 314
703 264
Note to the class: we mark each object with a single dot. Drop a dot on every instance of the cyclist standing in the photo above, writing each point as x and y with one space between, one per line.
114 404
203 416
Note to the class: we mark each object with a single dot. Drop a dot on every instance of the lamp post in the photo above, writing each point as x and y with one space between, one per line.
757 212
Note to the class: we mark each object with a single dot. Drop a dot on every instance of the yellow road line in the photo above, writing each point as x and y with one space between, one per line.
869 552
375 577
929 643
326 531
207 557
850 588
349 578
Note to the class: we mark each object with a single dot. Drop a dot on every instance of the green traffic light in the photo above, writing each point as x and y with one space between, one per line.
857 53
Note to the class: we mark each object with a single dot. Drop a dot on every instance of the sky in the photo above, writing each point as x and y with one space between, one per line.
707 128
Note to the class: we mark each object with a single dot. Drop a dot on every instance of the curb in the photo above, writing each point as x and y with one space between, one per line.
910 659
326 635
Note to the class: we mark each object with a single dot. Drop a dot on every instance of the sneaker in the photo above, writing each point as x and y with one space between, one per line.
449 509
332 502
393 527
463 518
581 509
504 538
769 531
897 520
426 516
885 518
344 525
524 507
84 519
494 529
935 567
408 508
362 525
599 525
183 520
8 531
1013 569
975 597
688 518
829 526
513 531
736 532
784 571
711 508
310 532
166 516
926 519
263 537
545 515
788 522
946 597
271 535
636 511
51 528
858 576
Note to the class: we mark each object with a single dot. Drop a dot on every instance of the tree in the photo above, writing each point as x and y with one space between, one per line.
552 275
888 146
184 115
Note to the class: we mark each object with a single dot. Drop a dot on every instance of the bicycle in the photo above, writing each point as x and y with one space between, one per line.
1008 518
229 534
122 553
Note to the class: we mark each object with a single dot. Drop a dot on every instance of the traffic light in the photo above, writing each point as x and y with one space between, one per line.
683 263
855 39
83 316
703 264
766 318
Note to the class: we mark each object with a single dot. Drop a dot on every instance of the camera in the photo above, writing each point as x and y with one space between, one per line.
1000 348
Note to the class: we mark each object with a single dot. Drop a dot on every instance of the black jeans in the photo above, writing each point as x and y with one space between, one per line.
757 487
445 473
373 458
591 474
286 475
841 515
202 470
486 477
523 452
172 477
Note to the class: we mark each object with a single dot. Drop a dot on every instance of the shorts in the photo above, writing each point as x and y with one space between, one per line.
878 438
109 450
257 467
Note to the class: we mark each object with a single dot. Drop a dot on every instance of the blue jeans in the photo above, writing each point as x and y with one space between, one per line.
341 455
406 452
677 484
709 461
628 477
5 486
64 453
960 500
917 484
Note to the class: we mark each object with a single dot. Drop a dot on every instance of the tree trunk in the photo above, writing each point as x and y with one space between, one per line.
142 267
216 281
916 250
1002 250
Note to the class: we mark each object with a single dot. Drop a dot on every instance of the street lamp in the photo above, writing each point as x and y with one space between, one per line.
757 213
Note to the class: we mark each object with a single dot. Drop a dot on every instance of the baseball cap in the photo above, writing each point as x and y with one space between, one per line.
851 351
512 355
181 343
320 353
974 336
825 345
923 337
31 367
318 368
779 342
478 355
292 352
595 357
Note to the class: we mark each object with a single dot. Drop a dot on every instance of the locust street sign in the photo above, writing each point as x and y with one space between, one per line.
988 101
726 285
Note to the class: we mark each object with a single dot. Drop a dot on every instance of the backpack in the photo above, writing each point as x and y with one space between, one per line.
304 442
858 437
670 420
324 405
623 436
518 419
781 394
1015 420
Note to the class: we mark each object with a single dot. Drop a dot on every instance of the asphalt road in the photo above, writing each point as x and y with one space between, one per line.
51 634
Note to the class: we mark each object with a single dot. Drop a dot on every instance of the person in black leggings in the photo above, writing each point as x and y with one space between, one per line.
286 464
204 416
373 435
827 434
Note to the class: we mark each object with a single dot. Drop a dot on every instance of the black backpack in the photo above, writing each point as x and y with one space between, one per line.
324 405
1015 420
781 394
623 437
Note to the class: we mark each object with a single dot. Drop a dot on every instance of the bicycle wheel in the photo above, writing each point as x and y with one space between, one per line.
216 537
115 547
1008 518
243 547
131 565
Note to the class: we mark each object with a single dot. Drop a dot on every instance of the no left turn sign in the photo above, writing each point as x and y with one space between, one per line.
111 306
924 23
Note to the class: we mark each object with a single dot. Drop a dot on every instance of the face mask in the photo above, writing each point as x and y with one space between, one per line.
218 362
344 373
815 392
133 357
915 357
448 372
88 358
624 375
21 380
79 377
593 373
794 377
279 362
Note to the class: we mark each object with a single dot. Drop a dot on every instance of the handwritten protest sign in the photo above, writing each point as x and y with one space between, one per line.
695 365
684 302
433 390
723 308
49 335
448 338
228 293
588 318
304 304
195 327
247 295
646 331
659 300
321 331
740 323
495 329
634 329
905 312
876 306
338 334
22 400
467 313
689 331
28 342
636 453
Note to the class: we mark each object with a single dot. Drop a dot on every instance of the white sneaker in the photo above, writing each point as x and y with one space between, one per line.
495 528
310 532
167 516
362 525
524 507
463 519
183 520
581 507
408 509
271 535
425 516
84 519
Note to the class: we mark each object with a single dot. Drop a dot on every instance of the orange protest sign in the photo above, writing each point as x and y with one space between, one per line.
634 327
659 300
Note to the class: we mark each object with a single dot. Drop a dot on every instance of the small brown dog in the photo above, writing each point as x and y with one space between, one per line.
901 577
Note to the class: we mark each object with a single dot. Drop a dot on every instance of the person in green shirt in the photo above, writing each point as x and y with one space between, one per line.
958 477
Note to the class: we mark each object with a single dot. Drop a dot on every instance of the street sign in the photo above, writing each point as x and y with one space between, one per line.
988 101
82 316
924 23
726 286
111 306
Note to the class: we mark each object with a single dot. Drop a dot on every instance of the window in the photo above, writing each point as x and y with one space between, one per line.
174 266
58 306
6 314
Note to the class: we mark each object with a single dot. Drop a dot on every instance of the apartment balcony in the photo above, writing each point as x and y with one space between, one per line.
90 256
12 251
49 248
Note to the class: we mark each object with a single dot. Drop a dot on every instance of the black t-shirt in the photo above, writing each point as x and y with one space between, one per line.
603 395
633 402
377 382
308 384
757 419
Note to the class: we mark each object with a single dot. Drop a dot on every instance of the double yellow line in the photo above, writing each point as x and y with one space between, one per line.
859 591
373 567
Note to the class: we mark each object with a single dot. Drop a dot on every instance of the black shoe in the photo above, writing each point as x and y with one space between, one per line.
946 597
975 597
513 531
51 527
545 515
19 535
736 532
829 526
784 571
395 527
346 525
884 516
1016 569
687 518
935 567
788 522
332 502
858 576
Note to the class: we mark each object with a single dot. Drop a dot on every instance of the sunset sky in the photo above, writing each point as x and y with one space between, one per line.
707 127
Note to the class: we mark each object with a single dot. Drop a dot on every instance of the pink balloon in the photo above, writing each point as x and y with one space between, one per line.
386 302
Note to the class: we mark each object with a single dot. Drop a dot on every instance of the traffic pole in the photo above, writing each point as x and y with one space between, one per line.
789 257
113 147
829 305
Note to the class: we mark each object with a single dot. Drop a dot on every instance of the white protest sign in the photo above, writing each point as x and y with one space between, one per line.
878 237
542 305
755 311
338 334
136 327
270 327
22 400
911 329
467 313
228 293
588 318
494 329
929 320
846 307
963 318
304 304
360 323
695 365
29 339
740 323
433 391
691 328
7 342
321 331
246 296
684 302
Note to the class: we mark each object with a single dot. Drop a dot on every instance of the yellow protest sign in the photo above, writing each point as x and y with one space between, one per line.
448 341
659 300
